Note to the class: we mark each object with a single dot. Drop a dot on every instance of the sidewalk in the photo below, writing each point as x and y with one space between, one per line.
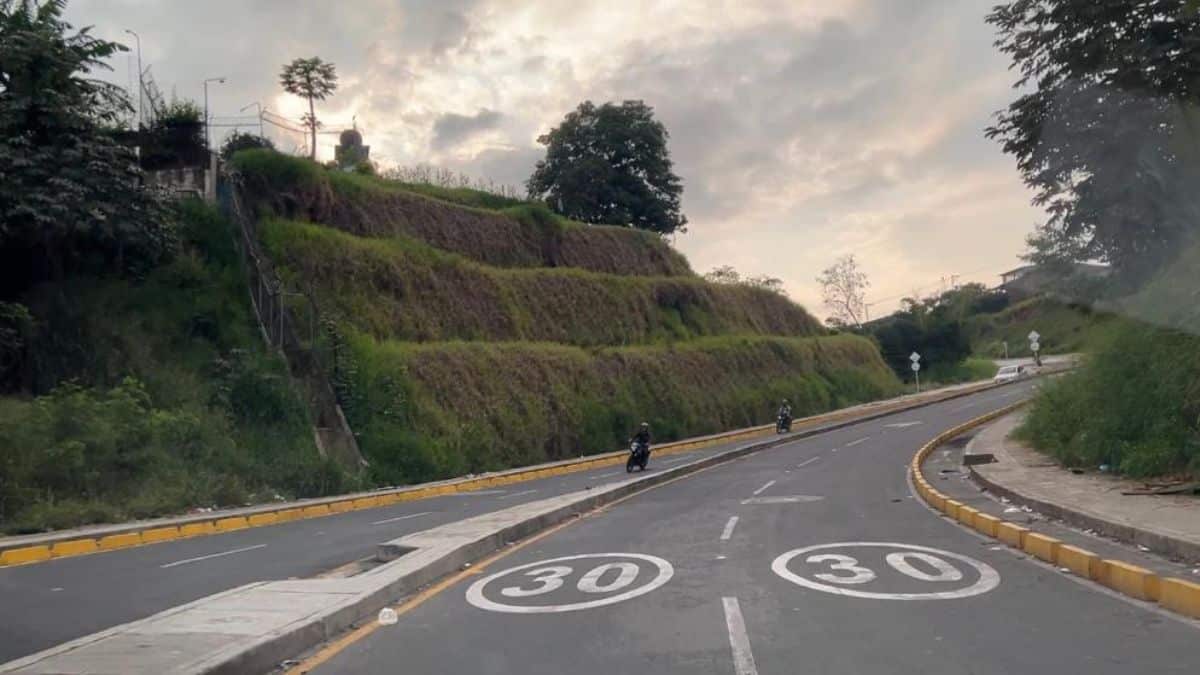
1166 524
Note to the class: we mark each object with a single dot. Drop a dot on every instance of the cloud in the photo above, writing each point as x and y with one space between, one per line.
451 128
801 130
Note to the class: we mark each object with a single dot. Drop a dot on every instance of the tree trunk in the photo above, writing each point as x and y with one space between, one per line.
312 125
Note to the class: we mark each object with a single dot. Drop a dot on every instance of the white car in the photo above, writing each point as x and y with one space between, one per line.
1010 374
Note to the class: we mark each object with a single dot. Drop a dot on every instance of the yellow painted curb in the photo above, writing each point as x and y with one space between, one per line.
288 515
160 534
1041 546
1134 581
1080 561
314 511
232 524
366 503
950 507
115 541
260 519
987 524
197 529
966 515
28 554
1012 534
341 507
74 547
1180 596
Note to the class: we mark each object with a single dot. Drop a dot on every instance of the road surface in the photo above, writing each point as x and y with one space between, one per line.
813 557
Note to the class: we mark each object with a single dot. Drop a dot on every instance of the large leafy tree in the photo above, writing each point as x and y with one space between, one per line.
1106 131
314 80
610 164
69 192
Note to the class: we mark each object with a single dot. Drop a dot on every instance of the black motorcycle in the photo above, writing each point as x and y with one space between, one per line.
639 455
783 424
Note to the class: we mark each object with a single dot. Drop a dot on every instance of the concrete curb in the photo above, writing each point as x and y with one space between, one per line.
415 561
21 550
1178 595
1162 543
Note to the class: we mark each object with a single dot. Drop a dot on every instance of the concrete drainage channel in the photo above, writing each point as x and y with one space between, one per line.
257 626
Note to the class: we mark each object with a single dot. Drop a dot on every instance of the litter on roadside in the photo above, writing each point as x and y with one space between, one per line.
388 616
1143 549
1012 509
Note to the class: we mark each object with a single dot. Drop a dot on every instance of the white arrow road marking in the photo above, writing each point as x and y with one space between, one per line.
392 520
763 488
787 499
901 425
728 531
864 439
739 641
213 555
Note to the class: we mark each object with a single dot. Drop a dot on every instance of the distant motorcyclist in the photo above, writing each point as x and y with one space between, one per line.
785 410
642 437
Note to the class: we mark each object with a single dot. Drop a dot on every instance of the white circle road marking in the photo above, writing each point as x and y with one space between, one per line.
476 597
988 577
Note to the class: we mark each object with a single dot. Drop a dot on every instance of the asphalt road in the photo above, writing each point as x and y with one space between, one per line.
70 597
759 566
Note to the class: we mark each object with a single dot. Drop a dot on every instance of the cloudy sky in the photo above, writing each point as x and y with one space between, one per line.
803 129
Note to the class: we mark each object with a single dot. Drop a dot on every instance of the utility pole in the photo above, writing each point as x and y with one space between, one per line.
258 106
218 80
141 90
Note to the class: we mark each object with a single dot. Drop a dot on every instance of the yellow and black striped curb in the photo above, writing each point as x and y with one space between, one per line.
1178 595
52 546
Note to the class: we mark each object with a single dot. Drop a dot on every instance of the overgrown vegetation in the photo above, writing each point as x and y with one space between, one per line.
403 289
152 397
1065 328
427 411
517 235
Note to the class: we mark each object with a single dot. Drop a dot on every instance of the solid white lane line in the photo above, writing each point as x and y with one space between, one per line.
864 439
728 531
763 488
606 475
739 642
392 520
786 499
518 494
213 555
807 462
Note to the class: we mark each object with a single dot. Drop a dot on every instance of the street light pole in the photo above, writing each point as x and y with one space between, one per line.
141 90
218 80
258 106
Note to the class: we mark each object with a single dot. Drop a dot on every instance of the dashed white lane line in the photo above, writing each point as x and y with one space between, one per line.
518 494
392 520
764 488
807 462
739 641
864 439
213 555
606 475
728 531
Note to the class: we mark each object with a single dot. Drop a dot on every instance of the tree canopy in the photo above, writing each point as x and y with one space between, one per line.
69 192
1108 135
610 164
314 80
843 291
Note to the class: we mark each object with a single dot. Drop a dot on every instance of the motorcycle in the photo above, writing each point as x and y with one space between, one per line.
783 424
639 455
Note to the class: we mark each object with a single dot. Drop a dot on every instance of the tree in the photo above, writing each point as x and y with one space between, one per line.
1107 136
69 192
843 290
726 274
315 80
239 140
609 164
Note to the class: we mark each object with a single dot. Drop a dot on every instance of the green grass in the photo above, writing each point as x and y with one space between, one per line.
1134 405
403 289
519 234
437 410
153 397
971 369
1063 328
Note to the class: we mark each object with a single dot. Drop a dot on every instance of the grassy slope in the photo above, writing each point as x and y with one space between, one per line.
403 289
440 409
520 235
1064 328
205 417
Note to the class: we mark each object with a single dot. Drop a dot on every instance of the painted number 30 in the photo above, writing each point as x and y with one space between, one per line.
850 572
550 578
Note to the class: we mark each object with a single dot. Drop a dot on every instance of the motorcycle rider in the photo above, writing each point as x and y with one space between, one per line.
785 413
642 437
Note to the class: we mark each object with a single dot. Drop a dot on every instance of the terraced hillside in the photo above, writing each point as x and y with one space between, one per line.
478 337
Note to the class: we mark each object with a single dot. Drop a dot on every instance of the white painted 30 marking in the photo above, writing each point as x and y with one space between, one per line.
619 573
846 570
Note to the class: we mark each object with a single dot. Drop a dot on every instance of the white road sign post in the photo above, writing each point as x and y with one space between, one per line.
916 366
1034 346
